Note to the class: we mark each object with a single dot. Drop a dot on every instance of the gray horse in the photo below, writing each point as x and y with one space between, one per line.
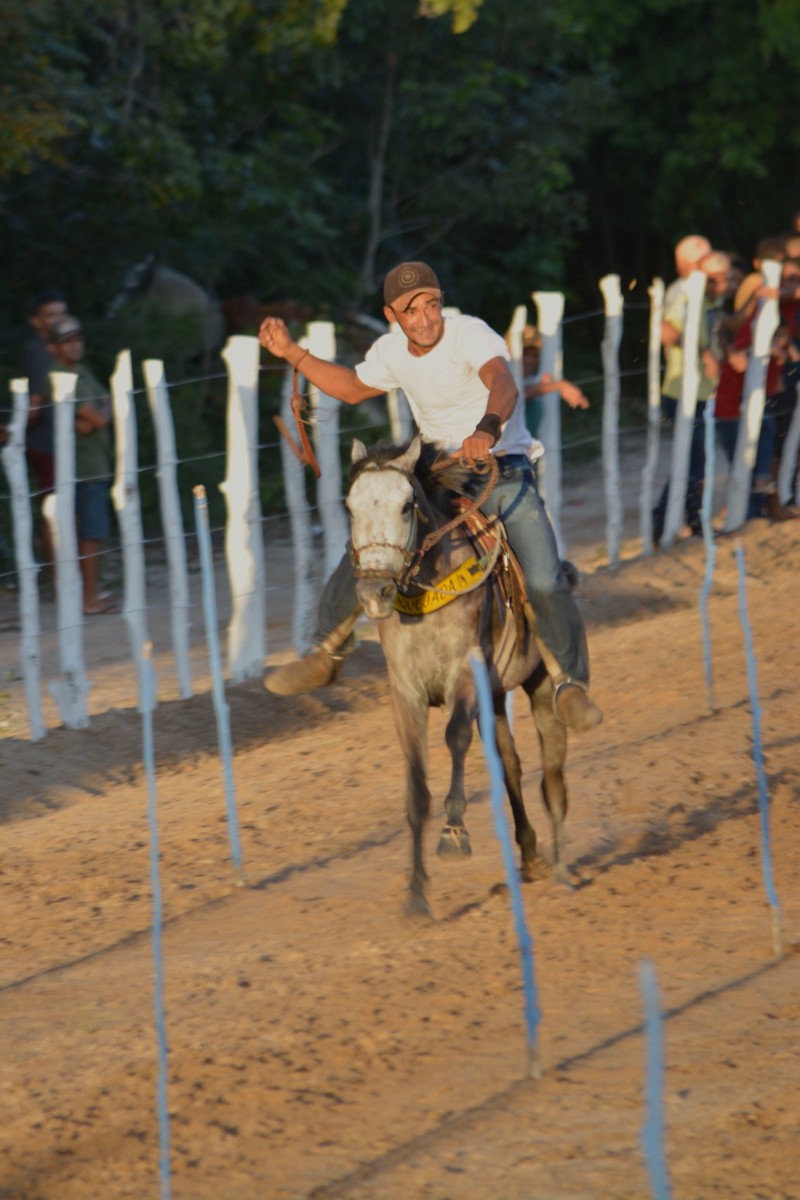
406 539
176 301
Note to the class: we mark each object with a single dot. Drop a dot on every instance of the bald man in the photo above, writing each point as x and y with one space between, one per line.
688 254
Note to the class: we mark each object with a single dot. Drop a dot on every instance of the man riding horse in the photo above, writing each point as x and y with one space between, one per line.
455 373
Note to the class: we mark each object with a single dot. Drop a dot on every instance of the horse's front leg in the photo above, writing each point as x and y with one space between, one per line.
411 720
458 736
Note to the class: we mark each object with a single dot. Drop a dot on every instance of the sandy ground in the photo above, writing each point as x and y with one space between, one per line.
321 1044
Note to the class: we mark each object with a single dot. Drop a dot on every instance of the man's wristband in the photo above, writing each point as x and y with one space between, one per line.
491 424
300 359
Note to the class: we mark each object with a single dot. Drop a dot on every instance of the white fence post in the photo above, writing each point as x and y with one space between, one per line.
127 502
789 458
695 290
550 310
401 422
765 323
612 336
172 520
294 485
13 457
244 541
516 330
71 689
322 344
656 293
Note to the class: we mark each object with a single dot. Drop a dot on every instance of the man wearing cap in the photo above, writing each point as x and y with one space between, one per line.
93 459
455 373
46 308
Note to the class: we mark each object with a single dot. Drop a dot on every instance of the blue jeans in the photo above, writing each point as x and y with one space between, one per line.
93 510
517 502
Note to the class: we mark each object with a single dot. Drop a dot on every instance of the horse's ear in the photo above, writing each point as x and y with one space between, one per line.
407 461
358 452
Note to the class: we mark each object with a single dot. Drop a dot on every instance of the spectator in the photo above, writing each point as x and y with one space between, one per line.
752 288
534 385
788 355
716 266
727 413
93 465
37 362
688 253
740 269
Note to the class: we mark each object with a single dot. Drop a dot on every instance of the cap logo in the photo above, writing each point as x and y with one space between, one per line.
408 278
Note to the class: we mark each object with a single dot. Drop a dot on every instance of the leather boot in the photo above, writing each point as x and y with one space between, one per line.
316 670
320 667
574 706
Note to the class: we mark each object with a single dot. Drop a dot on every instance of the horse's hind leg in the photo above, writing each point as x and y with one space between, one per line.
411 721
553 741
512 772
458 736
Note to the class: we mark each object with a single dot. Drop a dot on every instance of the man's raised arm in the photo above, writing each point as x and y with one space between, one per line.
340 382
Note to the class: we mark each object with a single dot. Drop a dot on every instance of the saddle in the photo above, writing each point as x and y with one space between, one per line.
507 589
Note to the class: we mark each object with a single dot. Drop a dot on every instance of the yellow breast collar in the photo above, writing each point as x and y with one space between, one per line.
466 577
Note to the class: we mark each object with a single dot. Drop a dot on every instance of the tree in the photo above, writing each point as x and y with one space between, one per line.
703 129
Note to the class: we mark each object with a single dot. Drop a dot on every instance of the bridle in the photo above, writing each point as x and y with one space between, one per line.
408 552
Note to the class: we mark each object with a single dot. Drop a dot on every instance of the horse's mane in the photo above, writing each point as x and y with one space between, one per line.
440 476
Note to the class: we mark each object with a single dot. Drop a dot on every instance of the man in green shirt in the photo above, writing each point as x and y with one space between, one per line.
93 459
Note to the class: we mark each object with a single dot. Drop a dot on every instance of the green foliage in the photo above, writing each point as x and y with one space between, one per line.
464 12
297 148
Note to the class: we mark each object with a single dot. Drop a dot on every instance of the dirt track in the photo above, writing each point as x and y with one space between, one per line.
322 1045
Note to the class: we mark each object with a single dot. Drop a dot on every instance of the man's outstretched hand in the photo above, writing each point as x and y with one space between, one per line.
275 337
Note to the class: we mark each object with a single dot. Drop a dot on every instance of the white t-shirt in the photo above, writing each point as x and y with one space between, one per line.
444 390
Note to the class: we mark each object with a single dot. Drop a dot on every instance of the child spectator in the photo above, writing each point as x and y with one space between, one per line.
534 385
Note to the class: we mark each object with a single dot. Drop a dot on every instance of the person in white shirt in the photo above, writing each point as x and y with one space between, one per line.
455 373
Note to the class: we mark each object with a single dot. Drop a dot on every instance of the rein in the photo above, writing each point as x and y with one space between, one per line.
411 558
304 453
435 536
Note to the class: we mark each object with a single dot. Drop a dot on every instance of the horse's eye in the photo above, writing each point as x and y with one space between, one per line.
407 507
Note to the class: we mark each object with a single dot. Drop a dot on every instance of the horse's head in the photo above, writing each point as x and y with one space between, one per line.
137 281
383 508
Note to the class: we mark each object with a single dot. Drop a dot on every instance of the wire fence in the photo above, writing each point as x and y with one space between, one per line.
282 504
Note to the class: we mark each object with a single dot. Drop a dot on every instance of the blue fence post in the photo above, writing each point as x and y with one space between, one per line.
711 549
758 756
148 696
486 722
653 1128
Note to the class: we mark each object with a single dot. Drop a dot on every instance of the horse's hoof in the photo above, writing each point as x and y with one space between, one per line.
562 878
532 870
417 906
454 841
